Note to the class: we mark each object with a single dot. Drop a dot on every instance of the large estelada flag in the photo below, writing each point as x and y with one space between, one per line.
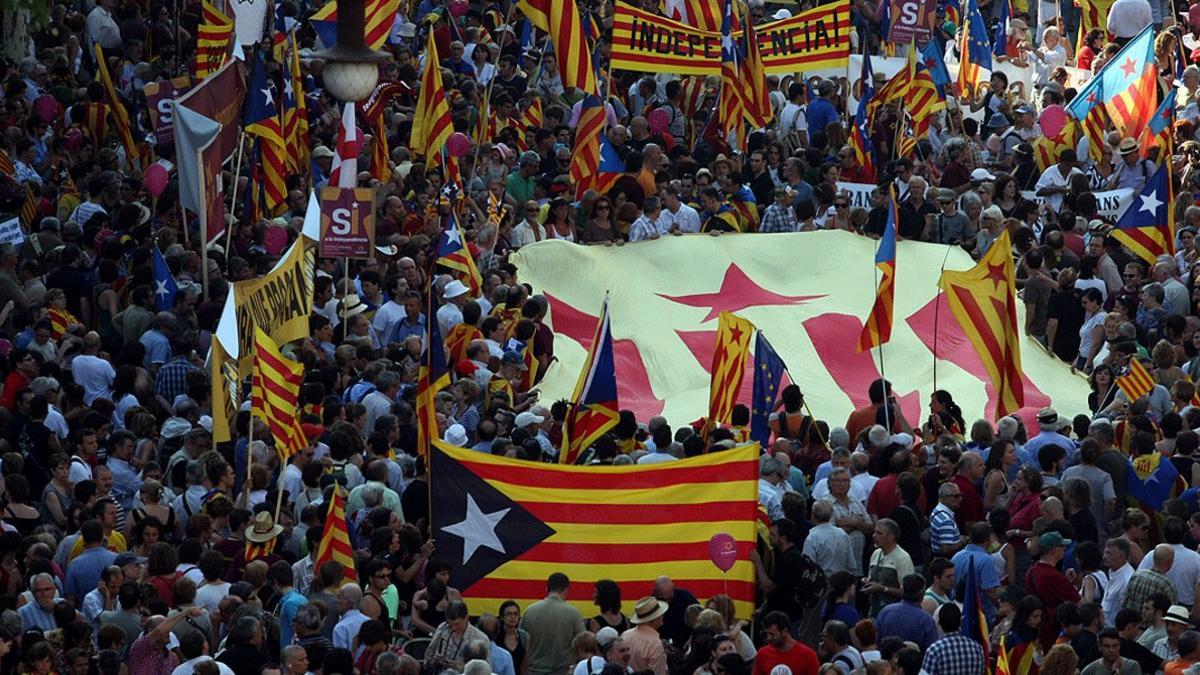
1145 226
507 525
664 326
594 409
1125 87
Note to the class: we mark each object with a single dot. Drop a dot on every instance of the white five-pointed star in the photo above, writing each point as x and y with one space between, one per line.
1150 203
161 287
452 236
270 100
477 529
287 87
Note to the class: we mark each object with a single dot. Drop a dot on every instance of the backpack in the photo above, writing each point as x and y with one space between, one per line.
790 137
811 583
337 470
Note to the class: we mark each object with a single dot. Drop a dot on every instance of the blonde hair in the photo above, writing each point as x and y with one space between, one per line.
1060 660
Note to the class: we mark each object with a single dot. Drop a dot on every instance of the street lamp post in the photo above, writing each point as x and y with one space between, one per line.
351 67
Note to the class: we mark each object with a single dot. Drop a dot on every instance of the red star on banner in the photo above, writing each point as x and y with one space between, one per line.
998 274
1129 67
702 344
634 391
737 292
1092 98
953 346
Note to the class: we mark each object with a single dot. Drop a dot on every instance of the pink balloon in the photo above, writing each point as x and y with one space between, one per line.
1052 121
155 179
659 120
275 239
46 108
458 144
74 139
458 7
722 550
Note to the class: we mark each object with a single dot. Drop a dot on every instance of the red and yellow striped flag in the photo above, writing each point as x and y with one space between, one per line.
254 550
378 16
431 122
459 338
60 320
295 112
7 167
728 367
983 300
335 538
704 14
1137 382
213 37
560 18
119 114
513 523
275 395
29 208
95 121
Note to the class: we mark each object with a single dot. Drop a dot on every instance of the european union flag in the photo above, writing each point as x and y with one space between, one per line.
165 287
978 43
768 374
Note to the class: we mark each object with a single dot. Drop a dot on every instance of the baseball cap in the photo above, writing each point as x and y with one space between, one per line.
512 358
527 418
1052 540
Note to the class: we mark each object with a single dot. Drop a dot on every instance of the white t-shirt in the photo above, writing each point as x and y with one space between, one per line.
95 375
793 118
209 595
188 667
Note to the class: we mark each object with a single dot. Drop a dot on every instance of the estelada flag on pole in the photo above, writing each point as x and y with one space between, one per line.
508 524
728 367
335 538
561 19
1137 382
983 300
594 409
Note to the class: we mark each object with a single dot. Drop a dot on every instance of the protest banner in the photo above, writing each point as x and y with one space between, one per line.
1109 203
162 114
814 39
347 222
911 20
11 232
860 193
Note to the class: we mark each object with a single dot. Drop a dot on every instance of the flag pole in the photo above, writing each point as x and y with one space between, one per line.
807 409
245 496
237 174
937 311
887 422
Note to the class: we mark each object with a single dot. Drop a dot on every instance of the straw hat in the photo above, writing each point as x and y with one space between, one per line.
263 529
647 609
352 305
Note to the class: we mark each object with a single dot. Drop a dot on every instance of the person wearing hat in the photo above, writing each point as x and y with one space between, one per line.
1133 171
821 111
1177 620
1025 122
1045 581
950 226
259 536
1000 128
1049 423
322 161
645 643
450 313
501 389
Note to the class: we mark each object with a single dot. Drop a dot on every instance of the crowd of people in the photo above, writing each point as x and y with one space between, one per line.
135 543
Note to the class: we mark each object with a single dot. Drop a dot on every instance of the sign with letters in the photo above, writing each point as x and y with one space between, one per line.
11 232
911 19
347 222
812 40
162 115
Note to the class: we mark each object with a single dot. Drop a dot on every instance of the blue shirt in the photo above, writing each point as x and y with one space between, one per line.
125 482
973 555
33 616
288 606
405 328
1035 444
158 348
83 573
502 661
908 621
820 113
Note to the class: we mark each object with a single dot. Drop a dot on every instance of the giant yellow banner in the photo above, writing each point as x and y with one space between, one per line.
809 292
815 39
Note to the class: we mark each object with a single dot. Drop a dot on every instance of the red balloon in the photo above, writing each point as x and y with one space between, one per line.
46 108
722 550
458 7
458 144
155 179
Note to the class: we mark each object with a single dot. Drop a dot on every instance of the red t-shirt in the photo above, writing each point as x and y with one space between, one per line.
799 657
970 510
1054 588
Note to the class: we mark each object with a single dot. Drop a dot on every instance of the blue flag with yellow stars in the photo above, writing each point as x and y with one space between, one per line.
768 374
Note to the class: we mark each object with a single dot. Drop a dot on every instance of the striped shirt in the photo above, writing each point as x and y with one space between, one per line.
943 530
